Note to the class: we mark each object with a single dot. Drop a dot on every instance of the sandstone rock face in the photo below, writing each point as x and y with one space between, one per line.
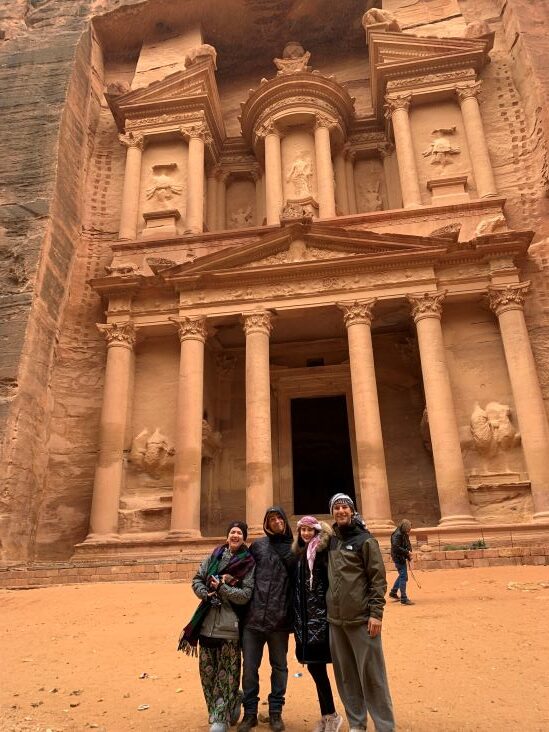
61 185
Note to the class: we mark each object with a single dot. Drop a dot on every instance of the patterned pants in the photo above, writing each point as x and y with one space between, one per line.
220 677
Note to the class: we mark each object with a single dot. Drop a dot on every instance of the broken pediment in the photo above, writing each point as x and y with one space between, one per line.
194 88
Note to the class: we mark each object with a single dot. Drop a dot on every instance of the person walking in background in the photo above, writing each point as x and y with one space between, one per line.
355 601
311 629
401 553
223 583
268 620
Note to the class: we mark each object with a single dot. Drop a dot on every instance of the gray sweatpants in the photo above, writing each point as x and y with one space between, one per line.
359 669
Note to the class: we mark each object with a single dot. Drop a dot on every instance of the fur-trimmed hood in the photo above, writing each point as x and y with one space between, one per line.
326 533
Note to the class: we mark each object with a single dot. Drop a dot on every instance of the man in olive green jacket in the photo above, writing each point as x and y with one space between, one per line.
355 599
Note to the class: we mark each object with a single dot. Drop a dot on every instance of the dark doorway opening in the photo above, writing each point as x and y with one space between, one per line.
321 452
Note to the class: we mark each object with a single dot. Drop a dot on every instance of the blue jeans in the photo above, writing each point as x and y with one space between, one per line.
400 582
253 643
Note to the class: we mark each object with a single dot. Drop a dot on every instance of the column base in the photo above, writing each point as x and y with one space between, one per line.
458 520
184 534
541 517
377 524
101 538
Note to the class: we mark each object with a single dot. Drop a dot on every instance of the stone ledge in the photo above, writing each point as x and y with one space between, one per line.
538 555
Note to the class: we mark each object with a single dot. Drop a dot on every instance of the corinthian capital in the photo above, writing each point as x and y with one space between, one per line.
267 127
131 139
427 305
118 334
200 131
322 120
358 312
257 323
466 91
191 328
507 297
393 102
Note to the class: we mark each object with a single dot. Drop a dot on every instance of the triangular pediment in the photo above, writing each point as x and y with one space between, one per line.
178 90
302 246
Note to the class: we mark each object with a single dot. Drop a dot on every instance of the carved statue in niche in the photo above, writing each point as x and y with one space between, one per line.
477 29
301 175
164 186
491 224
492 429
241 218
151 453
369 195
377 16
199 53
122 269
294 59
441 149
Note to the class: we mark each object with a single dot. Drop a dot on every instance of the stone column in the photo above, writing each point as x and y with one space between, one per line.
396 109
211 200
132 184
507 302
273 173
449 470
222 176
372 473
185 519
386 153
257 179
259 469
112 431
324 168
350 176
198 136
476 139
342 201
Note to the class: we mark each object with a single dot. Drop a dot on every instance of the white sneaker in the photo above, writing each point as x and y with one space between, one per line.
332 722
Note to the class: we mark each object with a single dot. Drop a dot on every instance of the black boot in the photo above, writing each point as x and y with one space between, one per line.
275 722
248 721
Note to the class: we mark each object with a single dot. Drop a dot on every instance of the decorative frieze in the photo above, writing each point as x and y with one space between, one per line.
507 297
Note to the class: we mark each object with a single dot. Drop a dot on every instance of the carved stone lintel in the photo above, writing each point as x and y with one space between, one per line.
427 305
465 91
118 334
394 102
257 323
507 297
191 328
131 139
358 312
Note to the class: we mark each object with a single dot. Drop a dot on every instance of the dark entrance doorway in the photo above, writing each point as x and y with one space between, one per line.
321 452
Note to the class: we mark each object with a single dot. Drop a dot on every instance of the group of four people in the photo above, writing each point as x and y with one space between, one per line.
328 587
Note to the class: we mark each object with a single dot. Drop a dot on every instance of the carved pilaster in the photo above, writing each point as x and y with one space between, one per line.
427 305
507 297
466 91
360 311
191 328
257 323
131 139
118 334
394 102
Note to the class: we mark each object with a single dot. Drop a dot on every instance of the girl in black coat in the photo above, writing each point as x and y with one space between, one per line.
310 615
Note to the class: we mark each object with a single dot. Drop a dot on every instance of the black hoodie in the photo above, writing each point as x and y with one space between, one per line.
271 603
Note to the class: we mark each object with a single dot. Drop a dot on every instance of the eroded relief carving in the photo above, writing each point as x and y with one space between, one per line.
164 186
491 224
200 53
151 453
304 209
476 29
122 269
294 59
441 149
377 16
369 195
241 218
300 175
492 429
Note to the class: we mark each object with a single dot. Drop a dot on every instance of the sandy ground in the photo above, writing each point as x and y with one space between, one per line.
470 655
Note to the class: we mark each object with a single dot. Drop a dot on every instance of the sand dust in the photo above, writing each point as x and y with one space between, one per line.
470 655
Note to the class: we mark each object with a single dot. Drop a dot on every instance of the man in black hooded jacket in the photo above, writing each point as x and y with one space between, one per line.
268 619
